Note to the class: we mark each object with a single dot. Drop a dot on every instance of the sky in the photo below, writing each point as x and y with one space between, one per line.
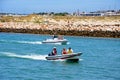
36 6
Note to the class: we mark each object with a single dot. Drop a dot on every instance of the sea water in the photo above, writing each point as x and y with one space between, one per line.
22 57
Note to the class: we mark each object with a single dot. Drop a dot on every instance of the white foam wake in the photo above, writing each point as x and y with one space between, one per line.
23 42
30 42
31 56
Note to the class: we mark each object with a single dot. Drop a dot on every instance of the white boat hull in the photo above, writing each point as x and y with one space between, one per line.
64 41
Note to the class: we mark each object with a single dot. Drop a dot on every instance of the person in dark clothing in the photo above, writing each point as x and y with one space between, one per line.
54 52
55 36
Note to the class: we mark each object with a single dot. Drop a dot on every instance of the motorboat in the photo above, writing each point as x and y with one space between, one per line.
61 41
56 39
67 57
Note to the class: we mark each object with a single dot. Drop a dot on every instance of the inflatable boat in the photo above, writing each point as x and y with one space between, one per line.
70 57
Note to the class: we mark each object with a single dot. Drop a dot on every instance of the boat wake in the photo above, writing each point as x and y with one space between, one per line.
30 42
32 56
21 42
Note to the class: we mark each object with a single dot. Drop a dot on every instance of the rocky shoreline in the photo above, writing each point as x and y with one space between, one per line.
113 34
82 26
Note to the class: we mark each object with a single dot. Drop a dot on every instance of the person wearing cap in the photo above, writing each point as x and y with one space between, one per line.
54 51
69 51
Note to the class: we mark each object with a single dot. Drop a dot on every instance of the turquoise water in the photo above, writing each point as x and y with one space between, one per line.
22 57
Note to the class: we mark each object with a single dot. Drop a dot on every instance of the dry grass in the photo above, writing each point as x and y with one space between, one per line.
35 18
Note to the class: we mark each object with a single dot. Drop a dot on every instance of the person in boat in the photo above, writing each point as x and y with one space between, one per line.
55 36
54 52
64 51
69 51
